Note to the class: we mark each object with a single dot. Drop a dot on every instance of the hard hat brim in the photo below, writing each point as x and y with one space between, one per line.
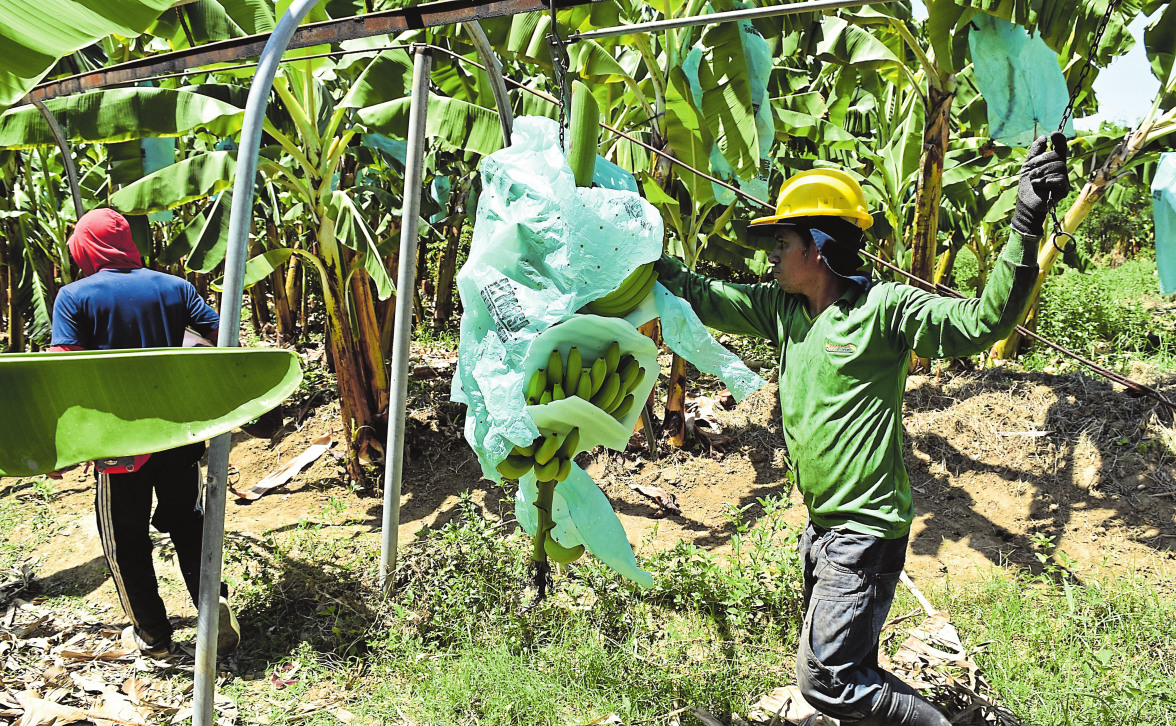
862 220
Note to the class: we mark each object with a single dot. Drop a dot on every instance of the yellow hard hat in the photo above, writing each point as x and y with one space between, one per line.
820 193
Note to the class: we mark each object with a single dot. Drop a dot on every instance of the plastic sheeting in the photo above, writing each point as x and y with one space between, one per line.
542 248
1164 213
1020 79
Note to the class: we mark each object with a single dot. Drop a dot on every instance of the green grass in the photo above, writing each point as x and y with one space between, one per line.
26 517
1100 652
1106 313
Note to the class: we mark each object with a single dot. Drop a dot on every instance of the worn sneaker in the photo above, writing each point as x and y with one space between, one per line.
133 641
229 632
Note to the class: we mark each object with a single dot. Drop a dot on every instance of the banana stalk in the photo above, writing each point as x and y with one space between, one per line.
538 553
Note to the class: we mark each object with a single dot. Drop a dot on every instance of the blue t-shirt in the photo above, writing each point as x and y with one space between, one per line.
139 308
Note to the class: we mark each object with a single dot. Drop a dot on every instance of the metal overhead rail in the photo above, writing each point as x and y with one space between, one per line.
445 12
749 14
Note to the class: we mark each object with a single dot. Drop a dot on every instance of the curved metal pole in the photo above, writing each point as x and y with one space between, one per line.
240 217
494 73
66 157
410 215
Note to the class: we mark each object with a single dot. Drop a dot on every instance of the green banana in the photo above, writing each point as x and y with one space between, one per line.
637 380
584 386
513 467
558 553
548 471
612 356
528 450
572 371
584 129
629 370
598 373
557 393
627 404
536 386
554 368
565 468
547 449
634 280
628 295
616 400
608 391
568 449
545 398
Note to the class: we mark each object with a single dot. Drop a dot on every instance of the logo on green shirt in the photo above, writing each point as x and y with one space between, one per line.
841 348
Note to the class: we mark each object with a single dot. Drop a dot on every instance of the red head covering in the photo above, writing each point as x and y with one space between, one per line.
102 241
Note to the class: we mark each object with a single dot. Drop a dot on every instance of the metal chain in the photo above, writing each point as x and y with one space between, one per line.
559 65
1058 232
1098 34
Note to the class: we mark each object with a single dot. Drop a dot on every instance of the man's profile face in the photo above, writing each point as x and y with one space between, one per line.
790 260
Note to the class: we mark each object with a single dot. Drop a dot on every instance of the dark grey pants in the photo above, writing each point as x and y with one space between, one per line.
849 583
123 505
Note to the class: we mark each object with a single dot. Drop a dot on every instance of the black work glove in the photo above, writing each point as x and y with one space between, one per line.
1045 180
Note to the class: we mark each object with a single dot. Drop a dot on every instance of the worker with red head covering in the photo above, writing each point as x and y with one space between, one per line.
120 304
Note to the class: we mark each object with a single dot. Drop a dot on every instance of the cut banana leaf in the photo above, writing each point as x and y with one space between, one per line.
62 409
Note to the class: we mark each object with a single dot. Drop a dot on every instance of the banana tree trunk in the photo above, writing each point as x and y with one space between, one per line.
1094 190
293 287
420 294
944 267
367 339
354 402
15 321
277 282
446 270
929 191
387 311
674 422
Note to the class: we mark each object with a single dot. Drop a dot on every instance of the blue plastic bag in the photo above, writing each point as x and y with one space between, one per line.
1020 79
1164 213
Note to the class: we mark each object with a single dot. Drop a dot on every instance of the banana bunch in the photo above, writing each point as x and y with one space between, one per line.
607 383
628 295
550 455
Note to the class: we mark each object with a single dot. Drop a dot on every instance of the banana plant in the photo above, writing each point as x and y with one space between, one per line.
931 56
316 125
1142 145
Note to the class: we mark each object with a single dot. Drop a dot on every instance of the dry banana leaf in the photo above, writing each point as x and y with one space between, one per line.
61 409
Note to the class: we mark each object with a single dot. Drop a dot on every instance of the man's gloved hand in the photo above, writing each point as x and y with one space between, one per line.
1045 180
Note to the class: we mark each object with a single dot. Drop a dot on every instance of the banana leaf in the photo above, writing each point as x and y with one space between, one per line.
193 178
65 408
212 242
119 114
387 77
33 36
459 125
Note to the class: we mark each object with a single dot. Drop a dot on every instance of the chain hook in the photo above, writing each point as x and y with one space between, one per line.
559 65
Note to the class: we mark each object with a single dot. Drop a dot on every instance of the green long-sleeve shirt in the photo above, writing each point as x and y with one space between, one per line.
842 374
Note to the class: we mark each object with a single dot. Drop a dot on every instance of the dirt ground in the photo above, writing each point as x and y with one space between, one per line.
996 458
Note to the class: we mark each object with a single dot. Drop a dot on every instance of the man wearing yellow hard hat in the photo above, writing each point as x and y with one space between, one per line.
845 343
